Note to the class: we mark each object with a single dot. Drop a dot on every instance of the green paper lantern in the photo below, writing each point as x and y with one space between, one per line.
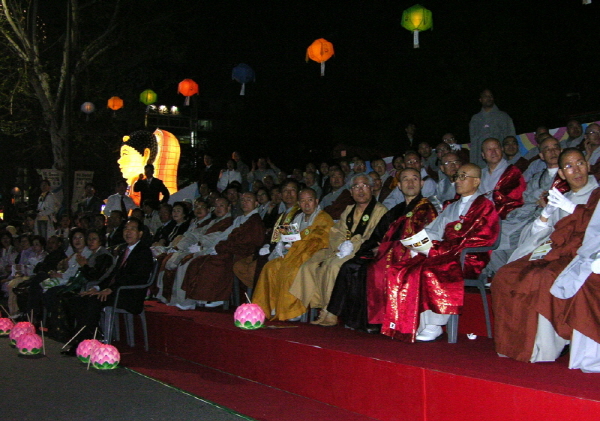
417 19
148 97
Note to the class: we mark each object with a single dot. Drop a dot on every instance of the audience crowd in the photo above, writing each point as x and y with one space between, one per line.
375 247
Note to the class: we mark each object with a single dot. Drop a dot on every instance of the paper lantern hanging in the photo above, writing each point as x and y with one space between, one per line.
249 316
417 19
187 88
85 349
88 107
148 97
115 103
243 74
320 51
29 344
105 357
5 326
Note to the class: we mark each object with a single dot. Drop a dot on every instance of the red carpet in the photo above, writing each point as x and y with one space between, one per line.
342 370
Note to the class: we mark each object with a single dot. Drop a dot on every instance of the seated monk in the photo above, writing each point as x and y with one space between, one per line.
361 280
271 292
527 318
578 286
194 243
502 183
335 202
315 279
210 277
248 269
425 290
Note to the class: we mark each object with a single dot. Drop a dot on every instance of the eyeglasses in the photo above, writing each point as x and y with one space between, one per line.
360 186
452 163
570 168
464 176
591 133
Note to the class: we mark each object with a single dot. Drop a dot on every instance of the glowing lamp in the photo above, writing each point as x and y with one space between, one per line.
88 107
249 316
417 19
85 349
115 103
29 344
105 357
5 326
320 51
148 97
242 73
19 330
187 88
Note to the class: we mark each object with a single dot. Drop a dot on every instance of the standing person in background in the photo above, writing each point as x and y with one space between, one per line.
46 211
151 187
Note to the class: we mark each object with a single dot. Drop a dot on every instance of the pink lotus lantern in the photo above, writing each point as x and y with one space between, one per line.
29 344
85 349
5 326
20 329
249 316
105 357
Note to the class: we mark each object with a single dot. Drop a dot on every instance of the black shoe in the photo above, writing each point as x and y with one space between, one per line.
565 350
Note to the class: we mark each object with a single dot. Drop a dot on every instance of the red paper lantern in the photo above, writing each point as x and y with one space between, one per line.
320 51
187 88
115 103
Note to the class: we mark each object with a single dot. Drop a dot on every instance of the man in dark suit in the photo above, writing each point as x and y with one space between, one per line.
151 187
211 173
90 203
132 268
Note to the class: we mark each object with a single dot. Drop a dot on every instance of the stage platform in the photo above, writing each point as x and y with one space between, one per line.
300 371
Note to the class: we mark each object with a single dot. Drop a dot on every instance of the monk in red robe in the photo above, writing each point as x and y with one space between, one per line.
210 277
424 290
500 182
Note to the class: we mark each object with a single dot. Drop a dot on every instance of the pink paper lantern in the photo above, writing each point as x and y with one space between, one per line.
85 349
5 326
20 329
29 344
105 357
249 316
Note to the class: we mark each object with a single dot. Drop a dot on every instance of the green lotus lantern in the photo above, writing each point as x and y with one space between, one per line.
417 19
148 97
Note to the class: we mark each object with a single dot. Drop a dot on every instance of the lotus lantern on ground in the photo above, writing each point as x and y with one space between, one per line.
249 316
5 326
105 357
29 344
20 329
85 349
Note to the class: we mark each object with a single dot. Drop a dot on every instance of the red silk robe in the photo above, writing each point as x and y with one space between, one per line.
210 277
521 289
391 252
508 193
436 282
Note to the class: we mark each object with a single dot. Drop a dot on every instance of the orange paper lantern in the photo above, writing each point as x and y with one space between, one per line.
320 51
115 103
187 88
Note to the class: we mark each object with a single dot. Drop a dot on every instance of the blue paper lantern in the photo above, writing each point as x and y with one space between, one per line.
243 74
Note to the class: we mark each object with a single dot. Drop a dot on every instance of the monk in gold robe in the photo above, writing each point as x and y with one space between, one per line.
315 279
272 289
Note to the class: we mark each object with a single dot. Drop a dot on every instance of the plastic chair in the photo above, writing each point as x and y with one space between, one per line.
452 326
111 313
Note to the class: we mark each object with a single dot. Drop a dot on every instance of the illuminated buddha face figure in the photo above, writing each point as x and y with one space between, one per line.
136 151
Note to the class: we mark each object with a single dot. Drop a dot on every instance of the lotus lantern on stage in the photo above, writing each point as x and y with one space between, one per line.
19 330
320 51
243 74
29 344
417 19
5 326
85 349
105 357
187 88
249 316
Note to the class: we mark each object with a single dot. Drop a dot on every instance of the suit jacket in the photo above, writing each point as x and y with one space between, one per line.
210 176
152 190
134 271
94 205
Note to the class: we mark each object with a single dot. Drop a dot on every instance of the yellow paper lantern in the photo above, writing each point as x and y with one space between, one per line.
320 51
115 103
417 19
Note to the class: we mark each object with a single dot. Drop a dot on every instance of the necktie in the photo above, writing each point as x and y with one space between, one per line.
125 256
123 207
